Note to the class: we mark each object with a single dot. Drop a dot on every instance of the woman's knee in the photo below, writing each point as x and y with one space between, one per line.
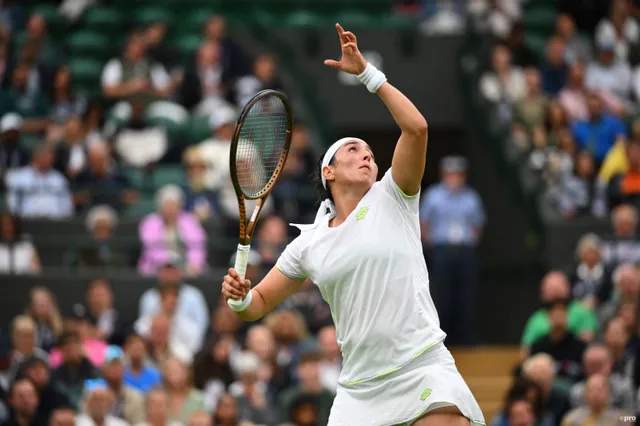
446 416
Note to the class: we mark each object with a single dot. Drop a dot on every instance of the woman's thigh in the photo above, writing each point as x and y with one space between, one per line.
446 416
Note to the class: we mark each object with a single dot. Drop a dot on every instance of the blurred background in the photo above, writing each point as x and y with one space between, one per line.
118 216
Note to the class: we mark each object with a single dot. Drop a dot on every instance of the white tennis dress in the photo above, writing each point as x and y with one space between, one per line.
372 273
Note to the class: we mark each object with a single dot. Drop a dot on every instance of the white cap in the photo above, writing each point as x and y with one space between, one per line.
221 117
10 121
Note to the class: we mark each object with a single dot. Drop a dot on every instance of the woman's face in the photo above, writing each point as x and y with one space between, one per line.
102 229
196 171
8 228
169 210
556 115
63 78
157 406
175 373
227 410
262 343
590 255
353 164
41 305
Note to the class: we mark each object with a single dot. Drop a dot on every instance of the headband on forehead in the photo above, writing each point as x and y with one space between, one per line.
331 152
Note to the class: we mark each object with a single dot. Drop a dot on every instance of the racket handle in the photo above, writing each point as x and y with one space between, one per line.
242 260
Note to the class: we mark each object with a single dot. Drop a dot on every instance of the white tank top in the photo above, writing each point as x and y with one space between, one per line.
372 273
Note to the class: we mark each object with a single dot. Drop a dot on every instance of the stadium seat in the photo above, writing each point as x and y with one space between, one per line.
536 42
198 129
304 19
145 205
149 15
542 20
86 70
165 175
55 21
196 19
103 19
353 20
90 44
187 44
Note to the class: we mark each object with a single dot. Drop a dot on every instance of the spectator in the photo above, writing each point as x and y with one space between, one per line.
129 403
99 403
608 77
160 345
82 323
32 106
12 156
600 132
619 28
290 331
597 407
271 240
264 75
309 303
36 34
43 309
63 416
172 234
212 371
37 370
200 418
520 413
590 279
554 66
251 392
556 121
577 48
233 60
580 320
157 409
331 363
184 398
623 246
573 97
540 370
23 400
504 83
580 193
154 37
598 362
75 369
23 340
626 288
101 252
625 188
225 323
525 389
101 182
260 341
138 373
99 301
37 77
565 348
18 255
71 154
202 89
452 218
499 15
616 337
308 373
191 301
200 200
38 190
66 102
226 413
6 60
529 111
522 55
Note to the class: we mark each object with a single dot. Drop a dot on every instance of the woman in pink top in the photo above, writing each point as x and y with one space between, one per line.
82 324
172 234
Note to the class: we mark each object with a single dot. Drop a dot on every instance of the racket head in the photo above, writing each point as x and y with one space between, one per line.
260 144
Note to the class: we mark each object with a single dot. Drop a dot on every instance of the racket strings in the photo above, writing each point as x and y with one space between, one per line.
261 143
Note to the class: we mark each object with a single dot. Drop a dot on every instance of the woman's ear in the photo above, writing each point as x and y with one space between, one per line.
327 173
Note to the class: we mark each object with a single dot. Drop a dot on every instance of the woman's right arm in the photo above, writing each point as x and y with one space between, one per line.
269 293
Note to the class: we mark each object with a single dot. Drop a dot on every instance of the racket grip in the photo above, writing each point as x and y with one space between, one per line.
242 260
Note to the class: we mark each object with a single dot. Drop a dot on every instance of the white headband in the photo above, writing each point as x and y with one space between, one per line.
331 152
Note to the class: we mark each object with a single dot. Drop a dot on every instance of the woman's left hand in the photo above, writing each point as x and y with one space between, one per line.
352 61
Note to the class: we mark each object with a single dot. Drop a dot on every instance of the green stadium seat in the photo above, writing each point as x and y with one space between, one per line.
145 205
353 19
536 42
149 15
196 19
86 71
188 44
398 22
198 129
135 176
305 19
165 175
541 20
103 19
89 43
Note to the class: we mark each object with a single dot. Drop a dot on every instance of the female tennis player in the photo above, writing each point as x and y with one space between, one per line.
364 253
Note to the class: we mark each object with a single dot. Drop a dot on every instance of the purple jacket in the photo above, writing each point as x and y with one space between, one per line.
155 254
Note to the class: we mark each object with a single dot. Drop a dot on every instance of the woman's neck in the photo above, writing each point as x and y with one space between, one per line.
346 201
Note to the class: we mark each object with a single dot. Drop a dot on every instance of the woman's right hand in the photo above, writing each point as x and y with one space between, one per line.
233 287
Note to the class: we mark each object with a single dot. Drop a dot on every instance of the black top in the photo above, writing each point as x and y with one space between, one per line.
567 352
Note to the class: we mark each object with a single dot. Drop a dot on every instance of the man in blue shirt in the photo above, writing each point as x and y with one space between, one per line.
600 132
452 218
138 374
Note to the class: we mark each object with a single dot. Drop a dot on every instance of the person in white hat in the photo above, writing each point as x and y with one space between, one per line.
365 254
11 155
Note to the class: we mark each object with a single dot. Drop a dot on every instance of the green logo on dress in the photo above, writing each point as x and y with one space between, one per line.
425 394
362 213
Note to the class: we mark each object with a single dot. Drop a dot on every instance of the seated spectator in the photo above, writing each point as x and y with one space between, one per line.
48 53
138 373
32 106
521 54
101 252
38 190
50 397
580 194
129 402
556 122
226 412
499 15
233 60
200 200
580 320
100 401
260 341
597 362
600 132
271 240
623 246
520 413
565 348
43 309
18 255
66 103
309 303
608 77
172 235
626 288
63 416
577 48
625 188
157 409
616 337
110 326
154 37
71 152
212 371
504 83
590 279
184 398
573 97
250 391
201 418
540 370
202 90
291 335
75 368
620 28
12 156
6 60
597 407
554 66
23 400
524 389
530 110
81 323
38 74
264 75
540 151
101 182
23 341
331 363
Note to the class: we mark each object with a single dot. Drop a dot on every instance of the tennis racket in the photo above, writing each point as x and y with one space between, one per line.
259 149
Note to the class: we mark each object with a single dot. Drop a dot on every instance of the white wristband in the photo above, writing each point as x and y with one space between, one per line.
372 77
242 306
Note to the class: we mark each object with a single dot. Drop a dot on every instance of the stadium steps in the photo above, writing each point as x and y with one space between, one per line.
488 372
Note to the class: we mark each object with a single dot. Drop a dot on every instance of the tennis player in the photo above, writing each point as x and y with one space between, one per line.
364 253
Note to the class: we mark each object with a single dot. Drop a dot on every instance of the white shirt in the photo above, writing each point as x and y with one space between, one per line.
184 331
495 91
16 258
84 420
34 194
112 75
372 273
615 78
606 32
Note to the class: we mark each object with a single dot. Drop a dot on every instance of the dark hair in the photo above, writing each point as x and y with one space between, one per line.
520 390
316 177
15 222
511 403
68 337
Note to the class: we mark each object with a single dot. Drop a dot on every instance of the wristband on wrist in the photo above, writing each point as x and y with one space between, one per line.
372 77
245 303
